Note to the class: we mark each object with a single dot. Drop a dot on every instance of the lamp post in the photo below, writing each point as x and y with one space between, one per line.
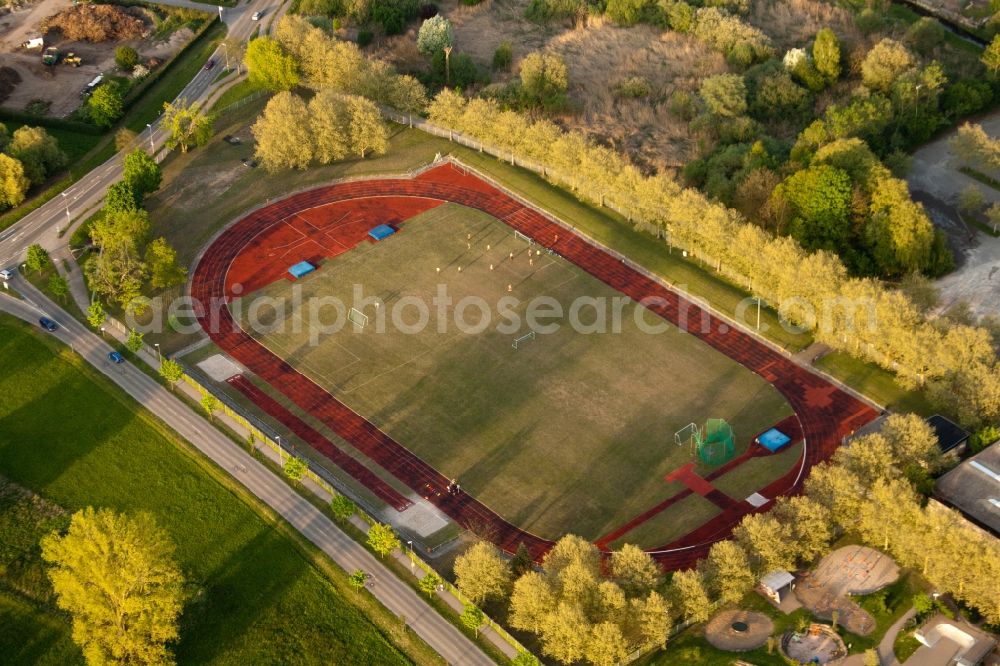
225 50
66 203
102 332
151 148
159 356
413 562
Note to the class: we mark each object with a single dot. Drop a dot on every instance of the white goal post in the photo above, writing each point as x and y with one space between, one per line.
357 317
524 338
524 237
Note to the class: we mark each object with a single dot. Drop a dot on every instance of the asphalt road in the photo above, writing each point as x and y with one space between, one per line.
42 225
395 595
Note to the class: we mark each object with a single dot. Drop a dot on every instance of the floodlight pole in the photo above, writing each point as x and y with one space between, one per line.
758 313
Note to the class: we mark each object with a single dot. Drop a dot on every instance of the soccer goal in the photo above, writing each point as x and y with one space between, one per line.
357 317
518 342
689 434
523 237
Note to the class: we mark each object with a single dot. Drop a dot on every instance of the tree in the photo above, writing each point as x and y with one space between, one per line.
565 633
522 562
819 198
368 132
126 57
571 549
106 104
171 371
382 539
690 596
283 141
122 198
871 658
13 183
342 508
625 12
971 200
141 172
329 124
295 468
884 63
95 314
525 659
37 151
37 258
161 263
481 573
654 618
210 404
124 138
116 577
724 95
810 524
187 124
766 541
117 271
826 55
993 215
429 583
472 617
991 55
435 34
530 601
544 79
635 570
134 342
357 579
727 572
606 645
972 145
269 66
59 287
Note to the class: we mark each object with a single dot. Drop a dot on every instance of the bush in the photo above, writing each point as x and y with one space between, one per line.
625 12
393 15
462 71
635 87
365 37
544 10
503 56
126 58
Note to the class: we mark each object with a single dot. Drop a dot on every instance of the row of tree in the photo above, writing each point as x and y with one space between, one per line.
27 158
814 290
292 133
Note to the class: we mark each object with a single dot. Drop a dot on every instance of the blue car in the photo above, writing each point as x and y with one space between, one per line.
48 324
115 357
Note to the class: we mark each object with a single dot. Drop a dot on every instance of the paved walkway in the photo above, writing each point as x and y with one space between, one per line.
398 597
886 654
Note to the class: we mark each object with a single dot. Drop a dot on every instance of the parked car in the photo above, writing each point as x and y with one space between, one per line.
48 324
115 357
210 64
6 274
256 16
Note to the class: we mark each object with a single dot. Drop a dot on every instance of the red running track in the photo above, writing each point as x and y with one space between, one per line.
825 412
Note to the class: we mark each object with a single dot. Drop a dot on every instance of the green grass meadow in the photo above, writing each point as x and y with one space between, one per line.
261 597
572 431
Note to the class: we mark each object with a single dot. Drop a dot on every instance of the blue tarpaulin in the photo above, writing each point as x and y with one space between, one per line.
773 439
301 268
381 231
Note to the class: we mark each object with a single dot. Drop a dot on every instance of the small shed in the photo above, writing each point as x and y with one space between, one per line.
777 585
952 438
381 231
301 268
773 439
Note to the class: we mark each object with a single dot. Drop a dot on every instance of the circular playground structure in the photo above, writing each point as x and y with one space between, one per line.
251 253
738 630
819 644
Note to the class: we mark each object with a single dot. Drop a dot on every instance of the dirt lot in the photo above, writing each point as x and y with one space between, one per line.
61 85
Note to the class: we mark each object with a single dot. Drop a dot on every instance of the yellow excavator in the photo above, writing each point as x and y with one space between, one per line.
72 59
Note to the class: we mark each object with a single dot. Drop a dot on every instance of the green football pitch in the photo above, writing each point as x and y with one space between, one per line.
571 431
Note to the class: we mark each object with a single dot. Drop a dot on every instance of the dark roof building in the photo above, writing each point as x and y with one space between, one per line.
951 437
973 488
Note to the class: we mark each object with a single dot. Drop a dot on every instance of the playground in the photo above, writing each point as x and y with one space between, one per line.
567 431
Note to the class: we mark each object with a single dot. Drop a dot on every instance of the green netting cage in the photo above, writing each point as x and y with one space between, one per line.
717 445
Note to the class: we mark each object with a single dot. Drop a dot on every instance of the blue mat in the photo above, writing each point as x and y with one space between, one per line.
301 268
773 439
381 231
